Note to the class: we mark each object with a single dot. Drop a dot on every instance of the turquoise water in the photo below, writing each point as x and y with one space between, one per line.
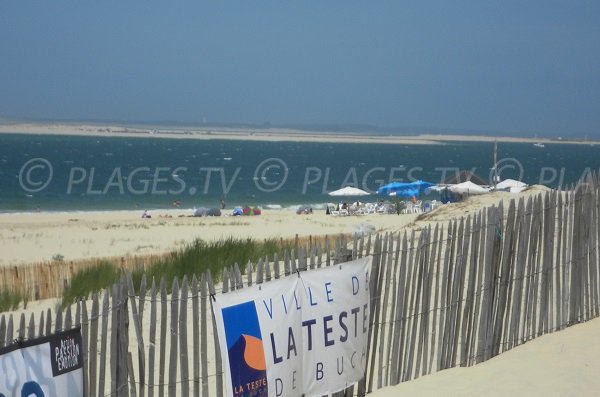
57 173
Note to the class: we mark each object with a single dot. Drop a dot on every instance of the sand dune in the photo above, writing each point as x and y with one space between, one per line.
564 363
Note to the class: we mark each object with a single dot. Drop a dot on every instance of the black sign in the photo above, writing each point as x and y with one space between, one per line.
66 353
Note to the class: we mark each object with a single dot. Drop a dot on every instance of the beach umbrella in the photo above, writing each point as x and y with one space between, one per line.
467 187
404 189
349 191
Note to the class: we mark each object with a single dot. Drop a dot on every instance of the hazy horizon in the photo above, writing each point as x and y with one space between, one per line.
515 69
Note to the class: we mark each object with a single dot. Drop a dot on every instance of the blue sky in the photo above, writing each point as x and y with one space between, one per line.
518 67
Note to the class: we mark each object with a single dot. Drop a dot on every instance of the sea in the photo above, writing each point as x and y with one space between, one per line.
79 173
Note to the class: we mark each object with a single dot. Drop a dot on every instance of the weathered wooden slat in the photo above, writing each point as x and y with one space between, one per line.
411 310
387 259
524 223
68 320
2 331
195 337
568 239
287 267
103 344
142 356
183 339
9 331
492 272
123 339
436 305
531 310
528 264
391 318
48 322
424 311
204 316
40 327
58 322
458 287
152 339
163 338
396 361
366 385
137 325
172 385
276 269
84 322
593 254
559 264
114 340
31 327
218 358
418 318
479 285
132 383
469 307
503 277
93 350
575 299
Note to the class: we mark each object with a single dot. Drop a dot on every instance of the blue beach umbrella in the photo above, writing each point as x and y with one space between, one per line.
404 189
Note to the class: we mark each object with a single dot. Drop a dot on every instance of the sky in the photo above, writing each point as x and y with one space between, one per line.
507 67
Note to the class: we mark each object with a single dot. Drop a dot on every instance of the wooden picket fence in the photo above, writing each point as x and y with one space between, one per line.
44 280
452 294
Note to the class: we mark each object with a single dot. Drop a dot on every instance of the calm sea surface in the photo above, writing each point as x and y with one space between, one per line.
58 173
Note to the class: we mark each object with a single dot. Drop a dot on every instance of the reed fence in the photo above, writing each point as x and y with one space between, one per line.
453 294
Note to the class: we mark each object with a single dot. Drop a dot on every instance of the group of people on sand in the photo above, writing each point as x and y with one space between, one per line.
176 204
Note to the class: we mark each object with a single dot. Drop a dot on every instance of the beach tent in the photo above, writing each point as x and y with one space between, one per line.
467 187
464 176
404 189
511 185
349 191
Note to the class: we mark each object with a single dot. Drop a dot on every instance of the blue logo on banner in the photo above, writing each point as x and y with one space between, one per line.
245 349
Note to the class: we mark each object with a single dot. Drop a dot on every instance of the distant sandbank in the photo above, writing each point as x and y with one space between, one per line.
248 134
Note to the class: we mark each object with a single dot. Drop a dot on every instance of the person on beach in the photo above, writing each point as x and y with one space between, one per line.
222 204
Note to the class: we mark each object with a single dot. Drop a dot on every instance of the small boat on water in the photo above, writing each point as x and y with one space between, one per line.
539 144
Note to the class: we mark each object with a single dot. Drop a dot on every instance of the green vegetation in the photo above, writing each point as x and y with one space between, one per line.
194 258
200 256
91 280
10 300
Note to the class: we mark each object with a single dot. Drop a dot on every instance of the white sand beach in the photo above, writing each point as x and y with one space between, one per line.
37 237
258 134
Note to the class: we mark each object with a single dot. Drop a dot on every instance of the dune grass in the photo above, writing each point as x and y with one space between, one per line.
201 256
193 258
91 280
10 300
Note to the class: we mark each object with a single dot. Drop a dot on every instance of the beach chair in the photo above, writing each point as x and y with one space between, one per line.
417 207
370 208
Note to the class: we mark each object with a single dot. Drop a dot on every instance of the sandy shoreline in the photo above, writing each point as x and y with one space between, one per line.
271 134
36 237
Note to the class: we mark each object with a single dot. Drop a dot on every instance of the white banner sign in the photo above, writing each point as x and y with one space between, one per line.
305 334
44 367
